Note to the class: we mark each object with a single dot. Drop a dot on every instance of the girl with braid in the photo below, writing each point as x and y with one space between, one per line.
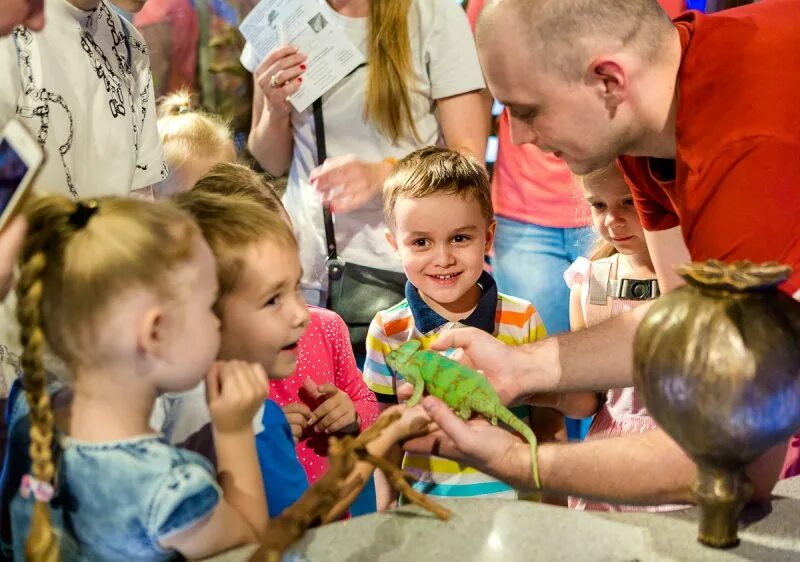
122 290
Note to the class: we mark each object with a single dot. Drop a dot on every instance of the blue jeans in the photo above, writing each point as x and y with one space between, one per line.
529 262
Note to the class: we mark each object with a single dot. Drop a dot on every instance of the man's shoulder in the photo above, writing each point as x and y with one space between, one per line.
716 103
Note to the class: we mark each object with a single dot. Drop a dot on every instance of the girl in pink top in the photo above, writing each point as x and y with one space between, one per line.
326 379
617 277
326 394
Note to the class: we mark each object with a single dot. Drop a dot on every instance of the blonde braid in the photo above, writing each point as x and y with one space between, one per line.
41 544
72 267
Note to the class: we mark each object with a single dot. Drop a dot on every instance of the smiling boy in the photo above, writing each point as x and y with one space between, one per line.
438 209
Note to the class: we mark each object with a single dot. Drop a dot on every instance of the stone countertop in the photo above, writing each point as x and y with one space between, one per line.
495 530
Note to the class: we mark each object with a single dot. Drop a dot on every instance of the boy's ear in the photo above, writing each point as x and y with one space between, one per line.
150 335
490 230
390 239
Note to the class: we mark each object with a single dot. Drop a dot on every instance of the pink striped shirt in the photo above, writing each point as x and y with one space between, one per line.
623 412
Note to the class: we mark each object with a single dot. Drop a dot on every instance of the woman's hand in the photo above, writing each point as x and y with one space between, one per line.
279 76
346 182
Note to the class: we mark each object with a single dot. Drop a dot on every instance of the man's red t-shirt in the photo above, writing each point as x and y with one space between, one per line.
736 188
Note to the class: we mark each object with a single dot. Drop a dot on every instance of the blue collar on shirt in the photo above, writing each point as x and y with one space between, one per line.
483 317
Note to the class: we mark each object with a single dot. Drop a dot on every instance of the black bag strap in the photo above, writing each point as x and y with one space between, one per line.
322 154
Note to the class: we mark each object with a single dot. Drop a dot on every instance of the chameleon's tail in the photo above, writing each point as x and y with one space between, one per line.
507 417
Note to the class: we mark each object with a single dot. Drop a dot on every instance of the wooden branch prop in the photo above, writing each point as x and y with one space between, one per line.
289 526
316 503
399 481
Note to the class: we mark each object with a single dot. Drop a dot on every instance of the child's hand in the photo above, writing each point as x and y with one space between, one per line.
413 422
235 391
297 415
335 413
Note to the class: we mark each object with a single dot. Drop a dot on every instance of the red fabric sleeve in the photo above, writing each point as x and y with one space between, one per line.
673 7
653 204
744 204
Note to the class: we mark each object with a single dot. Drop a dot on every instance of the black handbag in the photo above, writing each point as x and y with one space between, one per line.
355 292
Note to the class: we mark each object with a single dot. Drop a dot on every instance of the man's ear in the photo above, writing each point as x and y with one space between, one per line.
490 231
150 333
609 78
391 240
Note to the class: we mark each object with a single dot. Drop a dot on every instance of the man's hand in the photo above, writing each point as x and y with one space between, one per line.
477 443
413 422
485 353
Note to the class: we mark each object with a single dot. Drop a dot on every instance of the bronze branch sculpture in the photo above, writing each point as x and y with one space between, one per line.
316 504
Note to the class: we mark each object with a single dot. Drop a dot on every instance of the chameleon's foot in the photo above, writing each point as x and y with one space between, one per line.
464 413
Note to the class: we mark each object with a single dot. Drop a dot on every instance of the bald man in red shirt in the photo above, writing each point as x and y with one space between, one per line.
703 114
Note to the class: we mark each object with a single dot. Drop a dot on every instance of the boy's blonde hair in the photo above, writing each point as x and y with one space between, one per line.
437 171
77 259
232 224
187 133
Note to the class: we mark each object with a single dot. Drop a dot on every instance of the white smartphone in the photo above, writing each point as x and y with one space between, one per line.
20 160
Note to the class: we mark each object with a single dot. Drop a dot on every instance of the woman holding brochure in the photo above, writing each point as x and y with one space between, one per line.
421 85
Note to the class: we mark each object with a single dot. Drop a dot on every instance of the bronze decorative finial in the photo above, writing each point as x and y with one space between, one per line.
718 362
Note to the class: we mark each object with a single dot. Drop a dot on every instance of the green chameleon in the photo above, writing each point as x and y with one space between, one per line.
461 388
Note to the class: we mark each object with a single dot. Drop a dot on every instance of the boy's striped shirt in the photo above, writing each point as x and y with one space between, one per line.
511 320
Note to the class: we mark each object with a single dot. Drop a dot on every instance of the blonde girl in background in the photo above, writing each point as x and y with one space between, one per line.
617 277
193 142
122 291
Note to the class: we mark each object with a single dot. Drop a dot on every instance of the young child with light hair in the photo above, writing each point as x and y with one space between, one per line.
122 291
193 142
617 277
316 390
438 211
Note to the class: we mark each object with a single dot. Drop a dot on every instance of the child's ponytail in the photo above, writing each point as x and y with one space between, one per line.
176 103
77 259
47 226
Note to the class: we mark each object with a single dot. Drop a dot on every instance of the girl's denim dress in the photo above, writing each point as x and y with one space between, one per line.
113 501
